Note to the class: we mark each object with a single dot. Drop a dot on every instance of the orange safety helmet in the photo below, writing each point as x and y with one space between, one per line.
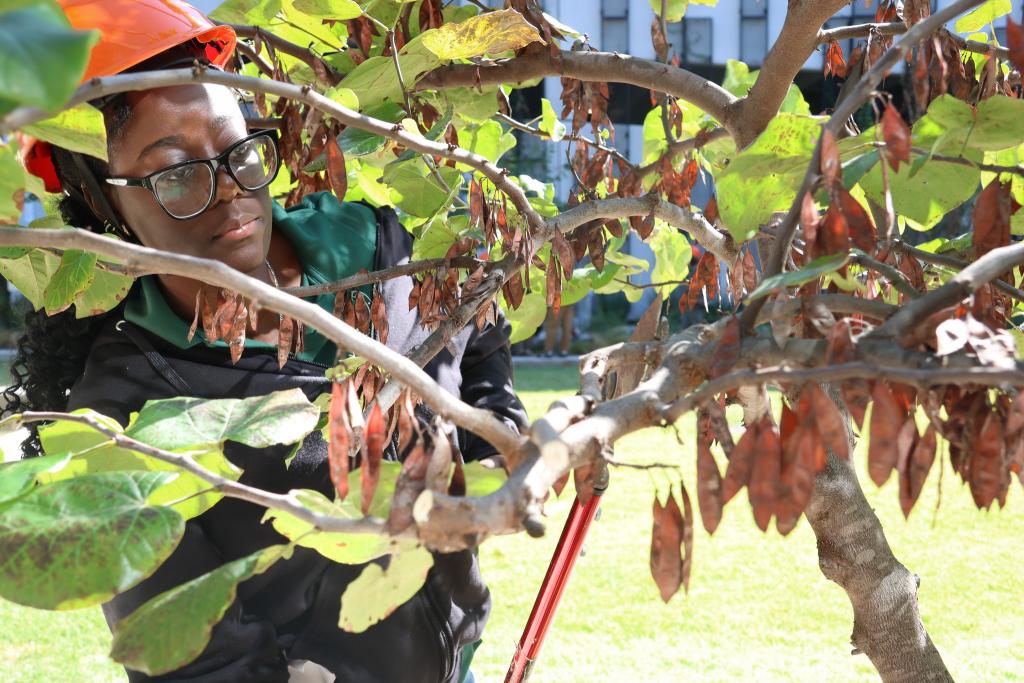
131 31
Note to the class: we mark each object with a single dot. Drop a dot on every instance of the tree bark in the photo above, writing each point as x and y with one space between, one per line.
853 552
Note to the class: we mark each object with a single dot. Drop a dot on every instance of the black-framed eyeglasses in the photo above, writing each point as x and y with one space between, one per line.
186 189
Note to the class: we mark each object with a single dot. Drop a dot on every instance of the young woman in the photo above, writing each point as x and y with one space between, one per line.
185 175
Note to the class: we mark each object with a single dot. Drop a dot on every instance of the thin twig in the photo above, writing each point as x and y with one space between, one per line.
576 137
923 378
285 502
373 277
894 28
959 264
313 60
898 279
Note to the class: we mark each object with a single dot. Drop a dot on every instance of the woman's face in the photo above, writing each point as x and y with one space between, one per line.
182 123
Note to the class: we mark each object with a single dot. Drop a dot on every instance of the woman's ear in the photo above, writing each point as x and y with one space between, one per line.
99 202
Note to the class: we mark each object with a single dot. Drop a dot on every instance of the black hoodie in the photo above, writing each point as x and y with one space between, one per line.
291 611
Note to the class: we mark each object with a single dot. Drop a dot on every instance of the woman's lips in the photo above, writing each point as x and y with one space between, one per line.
241 232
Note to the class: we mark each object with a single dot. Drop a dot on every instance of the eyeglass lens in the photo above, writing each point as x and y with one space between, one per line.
188 189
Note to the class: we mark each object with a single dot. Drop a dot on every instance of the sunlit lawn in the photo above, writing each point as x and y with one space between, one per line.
758 608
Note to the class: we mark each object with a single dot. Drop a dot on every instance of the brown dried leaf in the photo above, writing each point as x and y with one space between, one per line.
285 330
372 452
666 542
916 471
765 474
835 65
830 423
336 171
709 487
727 350
1015 43
741 462
861 228
831 167
896 134
687 536
340 437
988 472
992 218
886 420
195 320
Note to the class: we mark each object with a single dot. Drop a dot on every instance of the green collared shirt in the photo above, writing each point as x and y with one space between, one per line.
331 239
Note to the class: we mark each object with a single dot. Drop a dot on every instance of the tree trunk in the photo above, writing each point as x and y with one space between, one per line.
853 552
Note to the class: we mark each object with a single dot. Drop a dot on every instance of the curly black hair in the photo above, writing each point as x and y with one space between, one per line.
52 350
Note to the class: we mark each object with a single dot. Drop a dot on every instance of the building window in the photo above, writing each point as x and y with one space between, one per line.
615 26
753 31
691 40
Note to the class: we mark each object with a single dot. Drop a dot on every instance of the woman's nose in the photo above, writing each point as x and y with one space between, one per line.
227 188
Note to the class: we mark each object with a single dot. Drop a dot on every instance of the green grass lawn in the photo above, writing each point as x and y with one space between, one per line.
758 607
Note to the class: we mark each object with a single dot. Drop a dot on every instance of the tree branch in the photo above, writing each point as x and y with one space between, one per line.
984 270
232 489
895 28
857 96
478 421
313 60
679 146
718 243
959 264
98 87
589 66
797 40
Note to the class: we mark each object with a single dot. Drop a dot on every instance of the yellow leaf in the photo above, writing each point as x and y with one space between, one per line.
485 34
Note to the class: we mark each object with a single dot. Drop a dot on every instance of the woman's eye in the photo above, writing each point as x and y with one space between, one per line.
180 175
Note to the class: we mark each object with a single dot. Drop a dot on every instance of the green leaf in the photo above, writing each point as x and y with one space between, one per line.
672 255
763 178
31 273
344 96
18 477
794 278
549 123
79 542
739 79
415 189
982 16
12 181
282 417
357 142
329 9
338 547
437 235
950 125
44 58
378 592
79 129
93 452
924 195
375 81
674 9
106 290
490 33
74 274
172 629
246 11
486 139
